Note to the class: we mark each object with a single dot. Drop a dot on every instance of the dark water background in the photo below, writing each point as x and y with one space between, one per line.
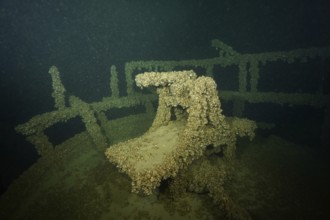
83 38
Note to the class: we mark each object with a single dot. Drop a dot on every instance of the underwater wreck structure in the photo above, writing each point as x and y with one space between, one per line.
248 69
189 108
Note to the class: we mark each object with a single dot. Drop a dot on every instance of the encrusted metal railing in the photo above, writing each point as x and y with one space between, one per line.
35 127
248 74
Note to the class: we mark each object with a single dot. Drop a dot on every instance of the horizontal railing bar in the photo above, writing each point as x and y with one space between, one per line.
40 122
314 100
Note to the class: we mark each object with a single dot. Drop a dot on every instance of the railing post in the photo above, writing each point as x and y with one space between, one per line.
129 79
254 75
114 82
239 104
90 121
41 143
58 88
